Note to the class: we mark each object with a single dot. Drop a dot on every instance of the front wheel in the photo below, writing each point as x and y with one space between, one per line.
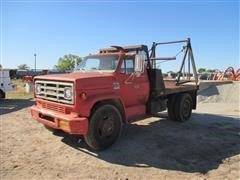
104 127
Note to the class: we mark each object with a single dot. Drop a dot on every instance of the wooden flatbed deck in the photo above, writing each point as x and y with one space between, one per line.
172 88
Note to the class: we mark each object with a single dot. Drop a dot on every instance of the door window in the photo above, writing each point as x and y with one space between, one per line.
127 66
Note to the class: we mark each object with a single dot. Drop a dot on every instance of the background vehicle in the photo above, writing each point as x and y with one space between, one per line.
5 83
118 85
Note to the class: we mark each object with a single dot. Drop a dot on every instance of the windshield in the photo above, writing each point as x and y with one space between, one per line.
98 63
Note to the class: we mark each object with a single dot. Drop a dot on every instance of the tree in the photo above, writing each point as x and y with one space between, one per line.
212 70
201 70
1 66
23 67
67 62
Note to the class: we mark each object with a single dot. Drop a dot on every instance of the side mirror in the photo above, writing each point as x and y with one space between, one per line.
139 64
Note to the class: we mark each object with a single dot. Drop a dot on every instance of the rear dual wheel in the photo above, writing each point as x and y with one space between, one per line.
104 127
180 107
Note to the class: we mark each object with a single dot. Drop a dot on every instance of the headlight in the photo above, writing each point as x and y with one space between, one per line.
68 94
37 88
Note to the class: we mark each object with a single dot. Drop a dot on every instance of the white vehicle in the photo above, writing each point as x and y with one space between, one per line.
5 83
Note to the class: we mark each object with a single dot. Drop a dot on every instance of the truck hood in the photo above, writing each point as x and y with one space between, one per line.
73 76
83 80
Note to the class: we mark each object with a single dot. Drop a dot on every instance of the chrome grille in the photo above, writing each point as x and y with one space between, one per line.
54 91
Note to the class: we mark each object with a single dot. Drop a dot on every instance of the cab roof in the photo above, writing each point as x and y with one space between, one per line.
111 54
126 49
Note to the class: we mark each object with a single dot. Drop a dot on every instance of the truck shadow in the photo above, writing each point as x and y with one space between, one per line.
11 105
199 145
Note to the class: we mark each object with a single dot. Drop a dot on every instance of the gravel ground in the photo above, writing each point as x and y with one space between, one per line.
226 93
207 147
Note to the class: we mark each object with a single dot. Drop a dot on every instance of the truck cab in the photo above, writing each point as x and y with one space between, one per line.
115 86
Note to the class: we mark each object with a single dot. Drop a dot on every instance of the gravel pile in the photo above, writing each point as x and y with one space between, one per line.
226 93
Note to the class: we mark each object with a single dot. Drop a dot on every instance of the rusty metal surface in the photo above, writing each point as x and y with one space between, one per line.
171 87
126 48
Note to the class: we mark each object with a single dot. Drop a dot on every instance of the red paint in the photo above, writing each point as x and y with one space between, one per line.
131 91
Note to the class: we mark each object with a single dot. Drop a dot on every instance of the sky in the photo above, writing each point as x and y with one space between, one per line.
52 29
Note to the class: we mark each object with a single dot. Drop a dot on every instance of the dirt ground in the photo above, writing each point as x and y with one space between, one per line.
207 147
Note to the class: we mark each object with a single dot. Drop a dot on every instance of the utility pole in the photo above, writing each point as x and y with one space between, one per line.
35 61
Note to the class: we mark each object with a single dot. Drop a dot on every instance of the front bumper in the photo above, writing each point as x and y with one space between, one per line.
69 123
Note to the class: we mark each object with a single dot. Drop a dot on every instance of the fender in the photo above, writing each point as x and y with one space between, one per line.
87 105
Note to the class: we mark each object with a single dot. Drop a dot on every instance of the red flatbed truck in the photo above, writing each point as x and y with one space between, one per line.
115 86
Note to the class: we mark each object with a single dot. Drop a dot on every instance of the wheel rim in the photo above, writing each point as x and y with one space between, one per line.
186 111
106 126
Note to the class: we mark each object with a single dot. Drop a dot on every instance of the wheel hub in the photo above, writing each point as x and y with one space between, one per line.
108 127
186 108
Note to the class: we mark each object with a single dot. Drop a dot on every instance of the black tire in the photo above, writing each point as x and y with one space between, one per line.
104 127
2 94
183 107
171 108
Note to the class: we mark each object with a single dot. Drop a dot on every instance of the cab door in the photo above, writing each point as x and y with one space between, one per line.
133 90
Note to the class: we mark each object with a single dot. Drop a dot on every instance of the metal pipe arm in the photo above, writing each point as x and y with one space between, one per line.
173 42
163 58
